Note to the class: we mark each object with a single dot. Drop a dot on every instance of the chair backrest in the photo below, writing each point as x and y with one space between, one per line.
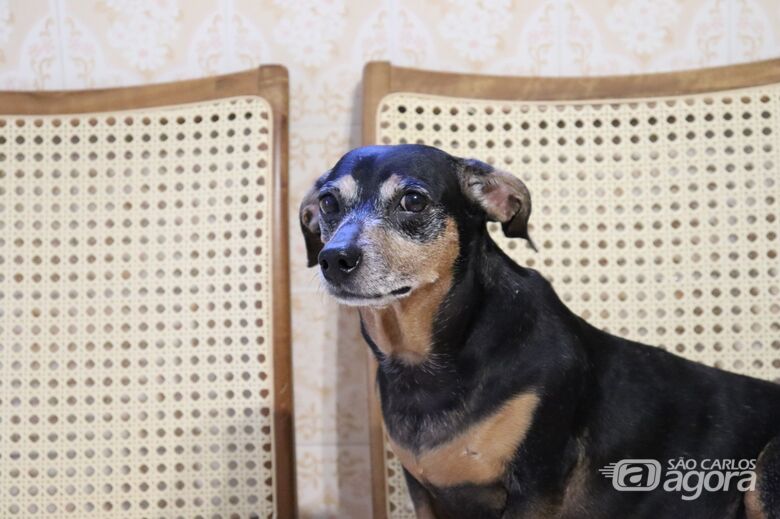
656 201
144 301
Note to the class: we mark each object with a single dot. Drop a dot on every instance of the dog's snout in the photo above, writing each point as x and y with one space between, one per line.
337 263
341 255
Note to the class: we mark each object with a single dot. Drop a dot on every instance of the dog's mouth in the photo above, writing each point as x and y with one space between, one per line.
352 298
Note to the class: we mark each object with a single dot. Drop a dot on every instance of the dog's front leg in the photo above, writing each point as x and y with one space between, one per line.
421 498
519 501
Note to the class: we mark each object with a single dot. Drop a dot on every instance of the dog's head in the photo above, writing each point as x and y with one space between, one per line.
387 220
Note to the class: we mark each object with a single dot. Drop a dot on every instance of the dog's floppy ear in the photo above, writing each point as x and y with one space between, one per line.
502 196
309 216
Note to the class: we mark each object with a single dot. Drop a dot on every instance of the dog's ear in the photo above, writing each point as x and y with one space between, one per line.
309 216
502 196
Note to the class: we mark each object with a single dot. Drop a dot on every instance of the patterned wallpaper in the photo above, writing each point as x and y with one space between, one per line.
55 44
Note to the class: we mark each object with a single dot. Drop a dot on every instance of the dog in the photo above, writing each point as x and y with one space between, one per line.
498 400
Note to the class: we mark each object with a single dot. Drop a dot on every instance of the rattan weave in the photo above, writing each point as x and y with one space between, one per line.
135 313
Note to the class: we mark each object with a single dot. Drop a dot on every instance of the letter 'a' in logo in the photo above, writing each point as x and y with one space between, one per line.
634 475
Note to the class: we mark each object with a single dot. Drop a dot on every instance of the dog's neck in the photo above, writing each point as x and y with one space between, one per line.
424 346
404 330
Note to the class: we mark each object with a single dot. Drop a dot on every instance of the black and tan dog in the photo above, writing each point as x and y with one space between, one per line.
498 400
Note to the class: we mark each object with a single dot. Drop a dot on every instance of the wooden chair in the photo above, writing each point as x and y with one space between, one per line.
656 201
144 301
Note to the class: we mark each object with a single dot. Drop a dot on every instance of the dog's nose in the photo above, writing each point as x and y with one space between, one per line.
338 263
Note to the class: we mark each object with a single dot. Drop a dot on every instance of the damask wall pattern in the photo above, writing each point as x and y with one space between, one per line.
73 44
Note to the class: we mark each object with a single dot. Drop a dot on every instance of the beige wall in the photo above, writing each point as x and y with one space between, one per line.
52 44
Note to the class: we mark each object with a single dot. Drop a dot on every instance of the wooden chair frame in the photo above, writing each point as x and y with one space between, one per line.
381 78
271 83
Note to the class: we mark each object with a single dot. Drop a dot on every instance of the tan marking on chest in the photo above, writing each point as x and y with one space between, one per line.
479 455
404 329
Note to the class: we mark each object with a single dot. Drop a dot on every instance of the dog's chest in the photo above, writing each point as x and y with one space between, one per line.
479 454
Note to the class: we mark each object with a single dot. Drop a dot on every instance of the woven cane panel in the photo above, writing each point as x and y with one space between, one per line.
656 220
135 324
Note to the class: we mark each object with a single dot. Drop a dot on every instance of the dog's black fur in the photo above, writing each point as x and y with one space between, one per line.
501 331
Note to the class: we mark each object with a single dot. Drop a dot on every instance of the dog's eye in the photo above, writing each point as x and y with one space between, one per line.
414 202
329 204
